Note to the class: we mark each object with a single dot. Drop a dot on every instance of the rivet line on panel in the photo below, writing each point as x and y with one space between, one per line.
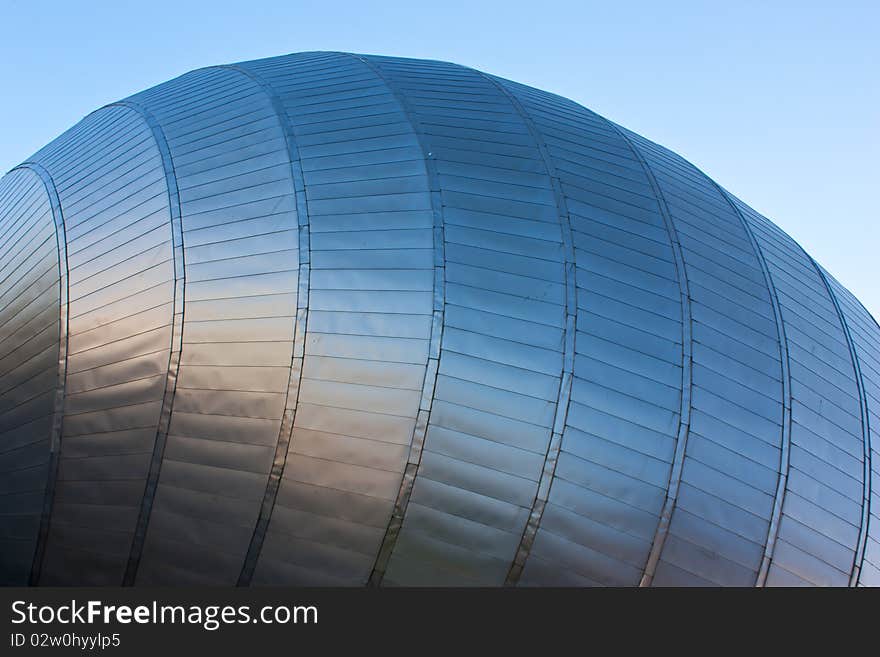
686 371
61 382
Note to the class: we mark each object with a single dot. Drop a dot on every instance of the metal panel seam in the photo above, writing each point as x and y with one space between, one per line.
171 376
784 457
294 380
869 465
563 397
686 370
414 459
866 432
61 383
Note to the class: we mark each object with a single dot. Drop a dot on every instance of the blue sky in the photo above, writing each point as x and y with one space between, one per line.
778 101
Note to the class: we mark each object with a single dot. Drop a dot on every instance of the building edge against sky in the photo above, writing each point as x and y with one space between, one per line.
340 319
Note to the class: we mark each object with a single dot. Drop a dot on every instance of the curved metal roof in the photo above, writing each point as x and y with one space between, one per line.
341 319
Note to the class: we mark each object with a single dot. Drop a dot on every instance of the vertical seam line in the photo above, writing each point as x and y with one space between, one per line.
563 397
61 382
859 555
294 380
414 458
784 456
684 417
176 346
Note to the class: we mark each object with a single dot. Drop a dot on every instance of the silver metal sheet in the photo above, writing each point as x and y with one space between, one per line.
367 342
32 366
343 319
116 385
233 259
817 345
740 306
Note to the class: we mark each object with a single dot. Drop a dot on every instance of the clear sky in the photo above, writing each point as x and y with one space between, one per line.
779 100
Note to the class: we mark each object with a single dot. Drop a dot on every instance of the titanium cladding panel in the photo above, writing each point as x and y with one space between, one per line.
334 319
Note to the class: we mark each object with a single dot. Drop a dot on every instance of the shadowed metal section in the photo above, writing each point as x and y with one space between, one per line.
176 341
784 457
299 337
33 360
731 308
859 552
562 400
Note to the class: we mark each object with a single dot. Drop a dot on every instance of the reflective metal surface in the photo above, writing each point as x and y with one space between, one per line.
334 319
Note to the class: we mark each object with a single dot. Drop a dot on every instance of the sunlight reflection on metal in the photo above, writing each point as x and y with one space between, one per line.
441 328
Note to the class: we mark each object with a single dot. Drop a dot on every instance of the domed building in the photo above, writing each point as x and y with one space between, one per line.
333 319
